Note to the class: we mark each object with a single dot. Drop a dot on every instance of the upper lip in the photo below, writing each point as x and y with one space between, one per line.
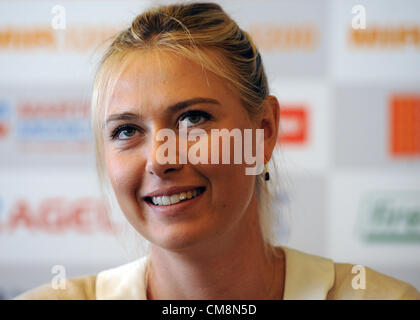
170 191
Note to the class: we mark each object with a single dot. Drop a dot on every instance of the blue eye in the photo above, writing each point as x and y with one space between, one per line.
124 132
194 117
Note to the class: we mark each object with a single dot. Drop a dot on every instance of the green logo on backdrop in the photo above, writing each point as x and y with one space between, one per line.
389 217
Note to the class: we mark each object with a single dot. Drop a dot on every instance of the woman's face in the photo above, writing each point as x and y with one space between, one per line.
158 91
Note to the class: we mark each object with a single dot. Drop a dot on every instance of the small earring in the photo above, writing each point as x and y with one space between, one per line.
267 174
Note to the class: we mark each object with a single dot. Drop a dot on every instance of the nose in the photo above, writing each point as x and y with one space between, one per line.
163 156
161 170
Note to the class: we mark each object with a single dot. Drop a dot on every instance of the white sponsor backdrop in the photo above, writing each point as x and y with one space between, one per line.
335 87
392 55
353 198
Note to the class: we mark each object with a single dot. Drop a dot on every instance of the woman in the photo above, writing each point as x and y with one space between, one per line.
209 225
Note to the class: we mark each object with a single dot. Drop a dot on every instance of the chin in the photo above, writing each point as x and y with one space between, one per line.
179 239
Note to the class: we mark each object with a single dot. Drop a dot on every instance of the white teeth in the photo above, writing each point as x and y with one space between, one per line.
158 200
166 200
175 198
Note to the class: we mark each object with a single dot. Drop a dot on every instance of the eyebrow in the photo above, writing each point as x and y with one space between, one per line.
122 116
171 109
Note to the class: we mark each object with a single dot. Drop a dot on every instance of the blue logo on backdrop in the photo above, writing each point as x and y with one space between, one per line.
5 117
5 110
44 130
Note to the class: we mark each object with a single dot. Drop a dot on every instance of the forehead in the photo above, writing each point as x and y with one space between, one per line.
157 78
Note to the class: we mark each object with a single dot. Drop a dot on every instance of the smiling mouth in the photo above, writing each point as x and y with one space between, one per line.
175 198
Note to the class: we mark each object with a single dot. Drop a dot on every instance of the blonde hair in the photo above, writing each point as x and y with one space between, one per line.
188 29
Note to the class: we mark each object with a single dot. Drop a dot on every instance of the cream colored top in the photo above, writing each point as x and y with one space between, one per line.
306 277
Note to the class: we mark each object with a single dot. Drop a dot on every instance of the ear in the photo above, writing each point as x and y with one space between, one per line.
270 123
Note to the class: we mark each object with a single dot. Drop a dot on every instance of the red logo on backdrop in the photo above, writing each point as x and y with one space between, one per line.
293 125
405 125
53 109
57 215
4 129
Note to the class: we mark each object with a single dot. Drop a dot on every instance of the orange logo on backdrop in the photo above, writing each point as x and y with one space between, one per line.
405 125
274 37
268 37
293 125
79 38
386 36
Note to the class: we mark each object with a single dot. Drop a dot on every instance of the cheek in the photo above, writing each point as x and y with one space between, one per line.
231 189
124 174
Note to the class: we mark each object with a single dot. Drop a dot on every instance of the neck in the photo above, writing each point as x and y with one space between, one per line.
232 267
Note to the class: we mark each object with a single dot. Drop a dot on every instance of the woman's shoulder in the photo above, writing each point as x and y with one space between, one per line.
307 277
361 282
126 281
311 276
